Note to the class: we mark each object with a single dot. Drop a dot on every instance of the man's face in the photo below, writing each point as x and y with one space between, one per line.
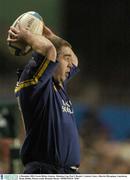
65 56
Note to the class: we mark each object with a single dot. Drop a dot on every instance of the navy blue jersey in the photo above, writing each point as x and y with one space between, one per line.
51 132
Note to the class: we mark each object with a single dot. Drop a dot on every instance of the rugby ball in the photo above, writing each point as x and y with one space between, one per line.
34 23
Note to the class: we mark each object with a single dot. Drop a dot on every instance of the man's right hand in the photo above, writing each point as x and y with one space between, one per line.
39 43
17 34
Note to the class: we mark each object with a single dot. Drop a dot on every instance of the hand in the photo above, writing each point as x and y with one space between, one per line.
48 33
17 34
56 40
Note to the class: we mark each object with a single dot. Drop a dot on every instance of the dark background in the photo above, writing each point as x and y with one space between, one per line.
98 31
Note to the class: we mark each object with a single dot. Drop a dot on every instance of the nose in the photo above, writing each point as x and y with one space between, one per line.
70 64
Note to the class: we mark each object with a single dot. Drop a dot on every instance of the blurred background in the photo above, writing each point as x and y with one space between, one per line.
99 34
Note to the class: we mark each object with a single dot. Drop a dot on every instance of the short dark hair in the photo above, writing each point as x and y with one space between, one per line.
60 42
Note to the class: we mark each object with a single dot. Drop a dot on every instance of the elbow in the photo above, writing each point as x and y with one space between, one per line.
47 50
75 60
51 53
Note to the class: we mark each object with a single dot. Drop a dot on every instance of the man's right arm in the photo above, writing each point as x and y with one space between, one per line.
42 65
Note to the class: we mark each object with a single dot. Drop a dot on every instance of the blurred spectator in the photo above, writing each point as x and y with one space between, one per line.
100 155
6 114
6 134
92 129
4 129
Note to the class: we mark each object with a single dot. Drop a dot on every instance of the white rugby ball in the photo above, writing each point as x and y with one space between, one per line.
34 23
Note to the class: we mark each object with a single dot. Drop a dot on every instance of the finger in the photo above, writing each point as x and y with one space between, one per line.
13 29
11 33
11 40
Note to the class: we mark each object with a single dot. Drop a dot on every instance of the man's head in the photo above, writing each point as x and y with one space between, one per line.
65 55
65 58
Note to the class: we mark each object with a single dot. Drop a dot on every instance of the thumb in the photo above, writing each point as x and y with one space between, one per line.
46 31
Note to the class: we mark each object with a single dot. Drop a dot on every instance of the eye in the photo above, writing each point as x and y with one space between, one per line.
67 58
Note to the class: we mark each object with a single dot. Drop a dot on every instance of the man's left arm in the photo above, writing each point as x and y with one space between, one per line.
74 68
74 59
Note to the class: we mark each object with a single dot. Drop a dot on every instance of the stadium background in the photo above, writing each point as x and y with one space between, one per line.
99 33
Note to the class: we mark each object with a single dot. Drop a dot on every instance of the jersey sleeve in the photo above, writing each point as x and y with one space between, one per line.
74 70
39 69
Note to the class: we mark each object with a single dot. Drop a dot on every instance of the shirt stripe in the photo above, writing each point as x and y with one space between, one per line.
34 80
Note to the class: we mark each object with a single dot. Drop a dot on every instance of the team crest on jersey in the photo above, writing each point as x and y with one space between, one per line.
67 107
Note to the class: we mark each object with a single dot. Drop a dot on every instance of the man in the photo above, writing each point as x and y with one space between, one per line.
51 145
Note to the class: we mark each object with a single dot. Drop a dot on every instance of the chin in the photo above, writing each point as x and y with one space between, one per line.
63 79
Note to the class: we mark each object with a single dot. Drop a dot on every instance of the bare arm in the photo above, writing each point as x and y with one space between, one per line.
59 43
38 43
56 40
